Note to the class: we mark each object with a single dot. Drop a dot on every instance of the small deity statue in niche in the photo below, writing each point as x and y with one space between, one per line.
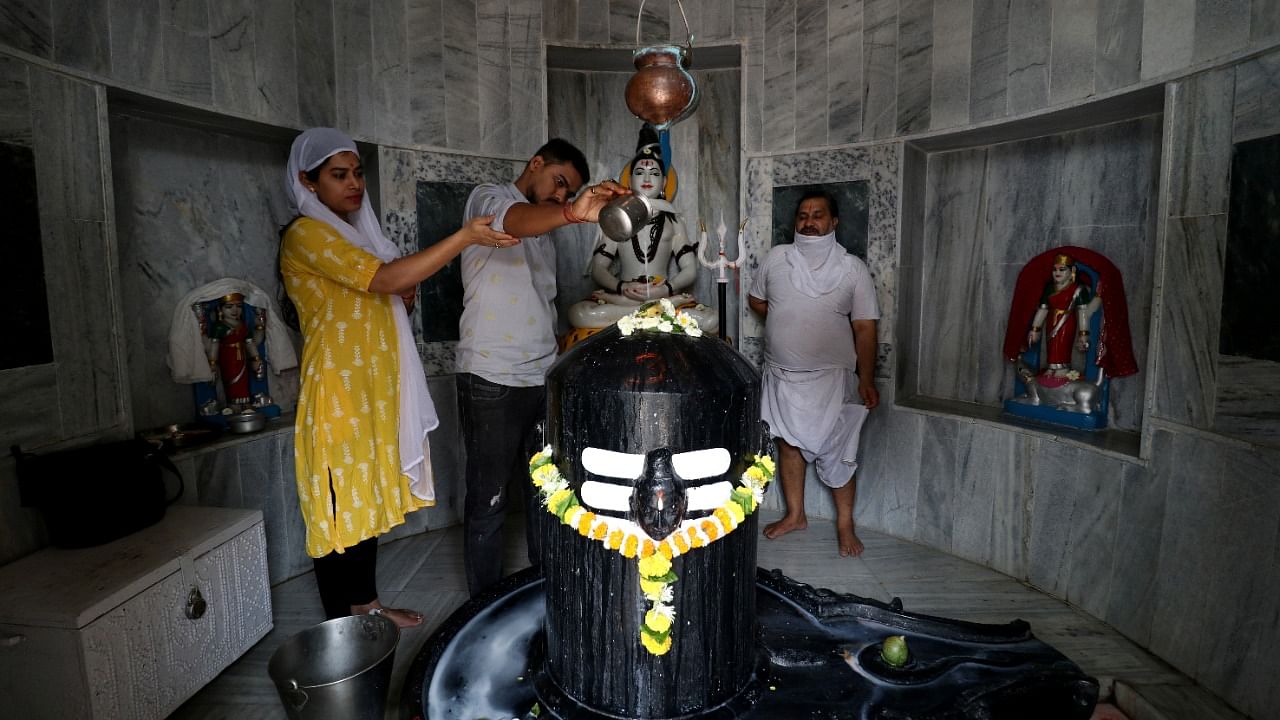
644 261
1067 380
233 352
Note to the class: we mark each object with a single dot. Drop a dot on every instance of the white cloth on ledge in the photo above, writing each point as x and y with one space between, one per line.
187 360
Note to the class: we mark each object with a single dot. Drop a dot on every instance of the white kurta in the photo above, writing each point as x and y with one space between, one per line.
809 395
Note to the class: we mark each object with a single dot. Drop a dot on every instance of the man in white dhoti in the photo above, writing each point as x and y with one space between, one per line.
820 311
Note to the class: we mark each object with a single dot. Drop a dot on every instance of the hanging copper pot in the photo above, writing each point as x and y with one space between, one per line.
662 92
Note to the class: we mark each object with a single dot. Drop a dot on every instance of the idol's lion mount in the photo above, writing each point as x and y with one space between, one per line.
649 603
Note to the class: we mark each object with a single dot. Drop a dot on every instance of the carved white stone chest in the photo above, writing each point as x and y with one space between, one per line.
133 628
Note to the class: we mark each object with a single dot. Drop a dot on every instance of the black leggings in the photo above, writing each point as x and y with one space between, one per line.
347 578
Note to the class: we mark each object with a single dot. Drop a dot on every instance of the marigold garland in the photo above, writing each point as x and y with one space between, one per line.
656 575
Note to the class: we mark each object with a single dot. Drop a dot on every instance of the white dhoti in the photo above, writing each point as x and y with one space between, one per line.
820 413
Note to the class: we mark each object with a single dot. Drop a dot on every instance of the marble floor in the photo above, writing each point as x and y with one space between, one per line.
425 572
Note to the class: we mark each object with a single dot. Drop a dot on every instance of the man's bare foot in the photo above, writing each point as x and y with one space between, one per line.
850 545
775 530
403 618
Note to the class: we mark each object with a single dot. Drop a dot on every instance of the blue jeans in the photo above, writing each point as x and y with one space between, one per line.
498 430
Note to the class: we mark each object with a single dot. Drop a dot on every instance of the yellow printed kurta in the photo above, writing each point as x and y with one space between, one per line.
345 440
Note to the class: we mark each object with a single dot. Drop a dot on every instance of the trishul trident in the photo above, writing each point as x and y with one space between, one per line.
722 264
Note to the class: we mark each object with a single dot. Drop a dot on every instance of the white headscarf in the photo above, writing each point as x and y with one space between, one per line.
417 413
817 264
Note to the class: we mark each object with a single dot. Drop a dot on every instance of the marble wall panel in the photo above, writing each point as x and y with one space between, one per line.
1186 368
15 103
232 44
494 67
1135 565
889 470
748 25
937 493
136 57
392 119
812 72
844 71
1074 36
986 458
1221 27
354 85
880 68
1030 41
1055 478
559 20
1256 97
316 75
1200 157
954 272
26 25
184 33
655 26
1264 20
715 21
915 65
952 63
79 36
426 72
593 21
461 76
718 176
910 264
1118 62
780 76
1173 23
528 78
276 60
191 207
989 71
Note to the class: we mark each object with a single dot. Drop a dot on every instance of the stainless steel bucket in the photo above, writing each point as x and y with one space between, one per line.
338 669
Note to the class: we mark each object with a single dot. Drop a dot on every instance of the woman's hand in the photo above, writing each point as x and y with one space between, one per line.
591 199
478 231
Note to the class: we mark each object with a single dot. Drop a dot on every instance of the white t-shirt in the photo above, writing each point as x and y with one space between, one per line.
806 333
508 315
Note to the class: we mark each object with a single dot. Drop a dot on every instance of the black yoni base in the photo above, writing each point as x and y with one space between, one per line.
818 657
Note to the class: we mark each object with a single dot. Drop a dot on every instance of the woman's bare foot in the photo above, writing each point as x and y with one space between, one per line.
775 530
850 545
401 617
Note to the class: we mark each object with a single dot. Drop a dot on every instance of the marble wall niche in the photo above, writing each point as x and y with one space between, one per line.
851 206
989 209
31 342
193 205
874 168
588 109
423 198
1249 343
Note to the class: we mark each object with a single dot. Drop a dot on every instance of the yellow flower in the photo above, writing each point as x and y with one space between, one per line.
544 473
557 501
665 549
647 548
655 647
584 523
681 543
615 540
657 622
629 546
767 462
725 518
599 531
736 510
651 588
695 540
710 530
654 566
754 473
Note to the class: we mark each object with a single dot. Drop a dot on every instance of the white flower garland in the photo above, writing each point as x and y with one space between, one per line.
656 576
660 316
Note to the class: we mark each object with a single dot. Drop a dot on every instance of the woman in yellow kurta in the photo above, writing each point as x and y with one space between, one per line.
360 440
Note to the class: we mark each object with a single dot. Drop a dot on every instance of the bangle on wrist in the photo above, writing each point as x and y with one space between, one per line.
569 216
1084 333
